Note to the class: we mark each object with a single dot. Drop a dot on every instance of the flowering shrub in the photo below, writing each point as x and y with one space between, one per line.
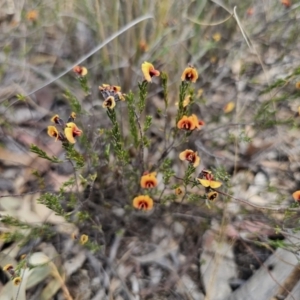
117 157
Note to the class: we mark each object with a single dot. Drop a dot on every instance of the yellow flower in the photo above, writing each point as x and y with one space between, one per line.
212 195
296 196
149 71
72 117
187 123
178 191
148 181
8 267
53 132
32 15
57 120
80 71
120 96
217 37
229 107
210 183
116 88
72 131
104 87
83 239
207 179
143 202
190 156
189 74
17 280
197 123
109 102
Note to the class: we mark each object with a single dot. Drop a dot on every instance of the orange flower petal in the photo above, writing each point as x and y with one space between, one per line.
148 181
143 202
215 184
229 107
190 156
189 74
149 71
217 36
197 161
178 191
204 182
187 123
296 196
8 267
83 239
17 280
53 132
72 131
32 15
80 71
212 195
195 121
109 102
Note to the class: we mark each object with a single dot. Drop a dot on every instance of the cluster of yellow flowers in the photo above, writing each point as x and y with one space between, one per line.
149 180
82 240
190 123
15 278
70 129
112 94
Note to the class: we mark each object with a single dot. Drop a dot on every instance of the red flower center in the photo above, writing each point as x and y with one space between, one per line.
186 125
143 205
149 184
190 157
189 75
76 132
209 176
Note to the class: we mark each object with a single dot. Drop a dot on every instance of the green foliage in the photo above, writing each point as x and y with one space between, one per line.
147 123
188 173
164 78
83 216
193 198
9 237
35 149
121 153
93 246
74 103
132 118
40 179
21 97
220 173
182 94
278 84
9 220
74 155
142 96
167 171
84 84
52 201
